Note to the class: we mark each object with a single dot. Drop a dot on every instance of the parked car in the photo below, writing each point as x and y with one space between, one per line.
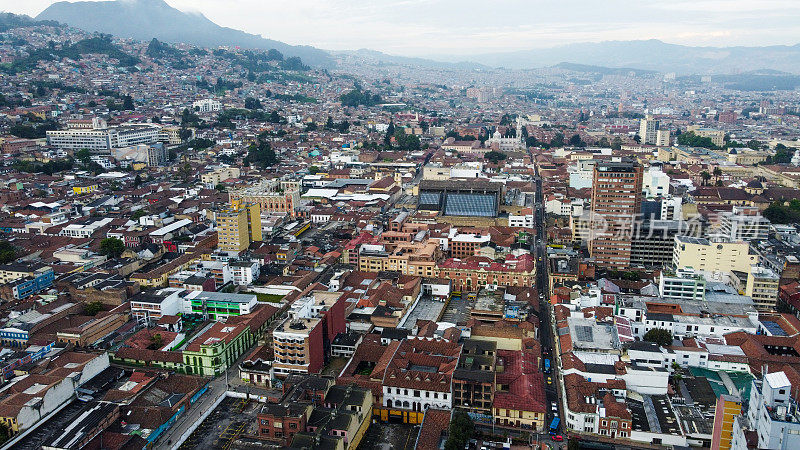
558 438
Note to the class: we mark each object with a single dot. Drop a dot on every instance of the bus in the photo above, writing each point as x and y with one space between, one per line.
547 366
554 425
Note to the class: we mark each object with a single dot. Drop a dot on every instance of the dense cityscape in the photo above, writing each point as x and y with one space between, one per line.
224 247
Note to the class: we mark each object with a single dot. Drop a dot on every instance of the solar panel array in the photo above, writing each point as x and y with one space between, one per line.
584 333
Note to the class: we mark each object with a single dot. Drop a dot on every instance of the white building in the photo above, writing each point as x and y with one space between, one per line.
84 230
772 413
148 307
245 273
684 285
655 183
207 105
744 224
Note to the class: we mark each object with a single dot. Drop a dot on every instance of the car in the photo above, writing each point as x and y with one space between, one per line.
549 380
558 438
554 406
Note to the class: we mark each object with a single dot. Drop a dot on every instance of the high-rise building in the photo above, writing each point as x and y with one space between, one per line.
238 226
728 407
648 130
762 287
616 205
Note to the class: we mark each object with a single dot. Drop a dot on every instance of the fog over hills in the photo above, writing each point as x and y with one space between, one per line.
146 19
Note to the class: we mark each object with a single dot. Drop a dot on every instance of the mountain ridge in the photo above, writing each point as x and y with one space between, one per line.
146 19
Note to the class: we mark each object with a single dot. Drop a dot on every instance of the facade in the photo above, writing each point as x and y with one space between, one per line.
104 139
270 195
770 415
685 284
744 224
728 407
712 255
648 130
303 340
207 105
616 204
218 305
419 376
238 226
762 287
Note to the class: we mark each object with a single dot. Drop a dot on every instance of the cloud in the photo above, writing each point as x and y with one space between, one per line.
464 27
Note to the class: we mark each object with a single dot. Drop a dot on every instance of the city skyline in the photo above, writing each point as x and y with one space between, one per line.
440 29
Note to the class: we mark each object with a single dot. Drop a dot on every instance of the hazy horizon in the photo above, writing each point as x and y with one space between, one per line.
447 28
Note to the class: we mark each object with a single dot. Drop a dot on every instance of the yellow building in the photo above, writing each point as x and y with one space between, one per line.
716 255
762 287
86 188
728 407
717 136
238 226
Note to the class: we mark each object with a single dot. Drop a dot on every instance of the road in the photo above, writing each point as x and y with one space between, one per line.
546 330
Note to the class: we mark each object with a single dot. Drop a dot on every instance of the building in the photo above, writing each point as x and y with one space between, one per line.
771 416
217 305
207 105
419 376
616 204
238 226
685 284
717 136
728 407
270 195
217 348
218 175
473 198
712 255
149 307
648 130
474 377
744 224
762 287
23 280
303 340
102 140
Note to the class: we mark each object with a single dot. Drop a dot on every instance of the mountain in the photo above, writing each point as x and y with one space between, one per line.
147 19
650 55
376 57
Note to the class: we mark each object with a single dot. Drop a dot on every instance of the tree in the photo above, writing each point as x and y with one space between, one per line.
576 141
137 181
659 336
705 176
558 140
261 155
112 247
692 140
313 170
220 187
8 252
616 143
461 429
389 133
252 103
494 156
91 309
127 103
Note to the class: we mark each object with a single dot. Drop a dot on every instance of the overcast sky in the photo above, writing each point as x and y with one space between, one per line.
450 27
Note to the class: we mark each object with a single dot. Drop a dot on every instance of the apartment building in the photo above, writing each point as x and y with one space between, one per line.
616 204
271 195
238 226
713 255
303 340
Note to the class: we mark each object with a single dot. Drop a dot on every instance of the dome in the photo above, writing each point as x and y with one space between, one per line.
755 184
733 151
